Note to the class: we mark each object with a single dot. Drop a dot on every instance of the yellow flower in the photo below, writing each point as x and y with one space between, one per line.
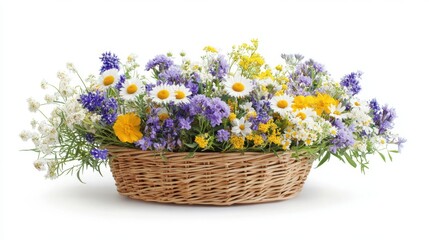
266 74
274 139
232 117
279 67
322 103
263 127
258 140
237 142
127 128
201 141
210 49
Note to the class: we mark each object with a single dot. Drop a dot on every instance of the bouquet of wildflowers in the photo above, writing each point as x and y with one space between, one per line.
222 103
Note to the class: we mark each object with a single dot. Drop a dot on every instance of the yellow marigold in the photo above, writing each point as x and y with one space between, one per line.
322 103
300 102
237 142
127 128
210 49
201 141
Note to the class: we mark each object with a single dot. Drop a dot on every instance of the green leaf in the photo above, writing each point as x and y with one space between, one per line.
350 160
390 156
382 156
324 159
191 145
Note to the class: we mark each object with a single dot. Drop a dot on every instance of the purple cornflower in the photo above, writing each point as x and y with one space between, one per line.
222 135
351 82
219 68
213 109
344 137
184 123
99 154
90 138
161 61
172 75
92 100
109 61
145 143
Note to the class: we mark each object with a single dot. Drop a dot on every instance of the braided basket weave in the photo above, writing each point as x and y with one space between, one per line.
207 178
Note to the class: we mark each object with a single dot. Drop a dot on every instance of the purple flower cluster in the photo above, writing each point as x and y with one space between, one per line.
219 68
90 138
161 61
305 77
213 109
351 82
383 117
262 107
172 75
222 135
97 102
160 135
344 137
109 61
99 154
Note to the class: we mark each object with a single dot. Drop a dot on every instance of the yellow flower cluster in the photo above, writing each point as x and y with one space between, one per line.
319 103
237 142
258 140
201 141
210 49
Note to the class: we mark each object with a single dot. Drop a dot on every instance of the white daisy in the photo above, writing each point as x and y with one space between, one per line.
162 94
281 104
247 106
238 86
108 78
305 115
181 94
337 111
131 89
241 127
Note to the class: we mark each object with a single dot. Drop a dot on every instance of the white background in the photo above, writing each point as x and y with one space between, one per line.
386 40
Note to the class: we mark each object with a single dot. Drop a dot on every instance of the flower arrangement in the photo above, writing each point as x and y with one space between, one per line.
223 103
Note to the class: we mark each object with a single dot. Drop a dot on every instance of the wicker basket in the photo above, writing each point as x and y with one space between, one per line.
207 178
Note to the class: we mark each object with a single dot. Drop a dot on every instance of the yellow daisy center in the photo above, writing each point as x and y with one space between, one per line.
336 112
163 116
180 95
282 104
132 89
108 80
242 127
238 87
302 115
163 94
357 104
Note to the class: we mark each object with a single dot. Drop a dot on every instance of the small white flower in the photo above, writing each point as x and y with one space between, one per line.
238 86
241 127
50 98
33 105
281 104
40 164
131 89
181 94
333 131
162 94
108 78
25 135
247 106
33 123
44 84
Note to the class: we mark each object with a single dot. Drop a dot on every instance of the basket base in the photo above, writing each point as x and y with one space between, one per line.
208 178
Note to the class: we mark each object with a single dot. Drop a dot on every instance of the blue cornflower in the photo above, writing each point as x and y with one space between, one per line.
109 111
109 61
90 138
92 100
161 61
222 135
351 82
99 154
